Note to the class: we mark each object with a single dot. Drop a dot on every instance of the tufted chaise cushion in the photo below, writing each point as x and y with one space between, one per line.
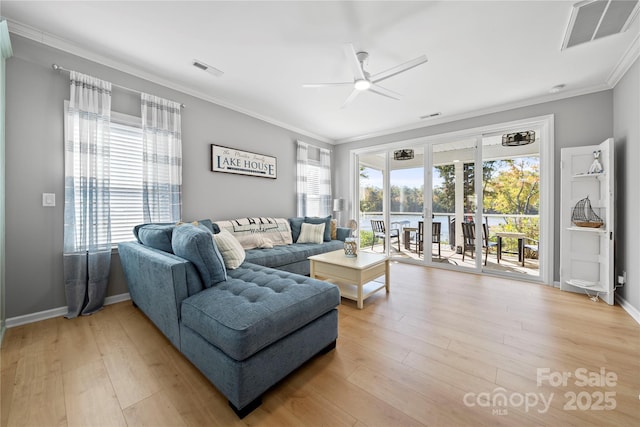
256 307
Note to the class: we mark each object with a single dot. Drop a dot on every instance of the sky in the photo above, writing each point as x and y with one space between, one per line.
411 178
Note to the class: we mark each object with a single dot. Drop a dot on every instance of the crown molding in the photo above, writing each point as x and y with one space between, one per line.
628 58
5 40
72 48
479 112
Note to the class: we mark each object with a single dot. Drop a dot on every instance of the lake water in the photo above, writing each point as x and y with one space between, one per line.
411 220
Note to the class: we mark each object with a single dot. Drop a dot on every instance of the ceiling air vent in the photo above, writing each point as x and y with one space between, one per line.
208 68
593 19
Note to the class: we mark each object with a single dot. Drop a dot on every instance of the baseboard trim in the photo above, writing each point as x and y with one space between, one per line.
633 312
56 312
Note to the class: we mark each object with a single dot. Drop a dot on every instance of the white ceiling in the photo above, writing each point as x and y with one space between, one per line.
484 56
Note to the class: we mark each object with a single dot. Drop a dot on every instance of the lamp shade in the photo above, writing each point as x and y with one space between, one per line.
338 205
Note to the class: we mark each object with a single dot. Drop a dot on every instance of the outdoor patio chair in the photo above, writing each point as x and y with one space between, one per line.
379 232
469 234
436 228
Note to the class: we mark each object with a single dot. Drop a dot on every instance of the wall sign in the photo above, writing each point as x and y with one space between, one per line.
230 160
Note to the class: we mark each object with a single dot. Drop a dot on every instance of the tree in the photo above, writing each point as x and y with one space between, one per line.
515 189
444 196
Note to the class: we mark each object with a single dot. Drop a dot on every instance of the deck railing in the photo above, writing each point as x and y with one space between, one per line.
411 219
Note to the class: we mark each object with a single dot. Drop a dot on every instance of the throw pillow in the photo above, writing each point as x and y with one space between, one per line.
157 236
327 225
196 245
311 233
295 224
204 222
231 250
334 229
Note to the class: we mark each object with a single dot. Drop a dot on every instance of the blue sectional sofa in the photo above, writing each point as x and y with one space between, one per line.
246 328
294 257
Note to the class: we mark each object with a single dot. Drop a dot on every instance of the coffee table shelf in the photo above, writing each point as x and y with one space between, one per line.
354 276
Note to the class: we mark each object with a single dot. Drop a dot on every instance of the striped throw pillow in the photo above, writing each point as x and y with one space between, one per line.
231 250
311 233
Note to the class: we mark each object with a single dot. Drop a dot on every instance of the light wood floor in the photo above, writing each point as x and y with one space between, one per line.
441 349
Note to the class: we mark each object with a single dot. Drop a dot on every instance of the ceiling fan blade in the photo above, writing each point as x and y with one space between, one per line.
398 69
384 92
350 98
327 84
352 59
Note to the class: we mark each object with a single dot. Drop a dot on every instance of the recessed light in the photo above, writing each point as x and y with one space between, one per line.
556 89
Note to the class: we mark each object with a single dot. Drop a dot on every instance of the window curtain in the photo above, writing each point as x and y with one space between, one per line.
302 159
313 181
87 228
162 159
324 176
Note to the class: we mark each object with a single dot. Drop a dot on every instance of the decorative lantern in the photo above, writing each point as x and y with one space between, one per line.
351 243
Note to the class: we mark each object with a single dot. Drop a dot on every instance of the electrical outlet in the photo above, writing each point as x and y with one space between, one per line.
622 279
48 199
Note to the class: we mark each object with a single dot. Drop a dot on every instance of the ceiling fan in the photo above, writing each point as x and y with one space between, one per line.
363 81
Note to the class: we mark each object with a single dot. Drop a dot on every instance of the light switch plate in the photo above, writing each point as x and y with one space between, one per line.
48 199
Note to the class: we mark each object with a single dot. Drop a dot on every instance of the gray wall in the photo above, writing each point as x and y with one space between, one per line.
3 316
626 131
34 165
582 120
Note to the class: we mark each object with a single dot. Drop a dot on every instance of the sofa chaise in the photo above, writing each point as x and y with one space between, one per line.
244 328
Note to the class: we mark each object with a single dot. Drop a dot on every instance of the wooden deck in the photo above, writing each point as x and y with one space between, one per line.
508 263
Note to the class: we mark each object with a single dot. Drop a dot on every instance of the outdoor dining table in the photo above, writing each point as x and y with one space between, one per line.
511 235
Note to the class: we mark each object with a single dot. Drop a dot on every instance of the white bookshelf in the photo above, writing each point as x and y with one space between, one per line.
586 253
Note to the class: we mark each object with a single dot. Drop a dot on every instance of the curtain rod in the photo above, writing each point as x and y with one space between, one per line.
60 68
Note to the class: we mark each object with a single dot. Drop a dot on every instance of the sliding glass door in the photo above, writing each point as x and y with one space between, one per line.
406 200
511 203
465 201
453 202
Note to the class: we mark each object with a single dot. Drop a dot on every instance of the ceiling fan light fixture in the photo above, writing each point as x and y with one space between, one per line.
362 84
404 154
517 139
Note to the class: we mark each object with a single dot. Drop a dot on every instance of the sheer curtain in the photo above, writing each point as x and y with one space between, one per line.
162 159
324 183
87 229
313 182
301 179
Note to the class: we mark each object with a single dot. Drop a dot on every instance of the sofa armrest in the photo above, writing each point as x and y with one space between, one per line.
158 283
342 233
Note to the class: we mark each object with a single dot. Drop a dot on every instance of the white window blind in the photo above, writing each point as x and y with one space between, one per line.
126 177
313 188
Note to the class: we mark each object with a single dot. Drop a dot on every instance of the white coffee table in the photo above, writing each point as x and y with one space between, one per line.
354 276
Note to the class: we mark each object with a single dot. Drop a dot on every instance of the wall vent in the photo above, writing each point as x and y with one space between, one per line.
208 68
593 19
